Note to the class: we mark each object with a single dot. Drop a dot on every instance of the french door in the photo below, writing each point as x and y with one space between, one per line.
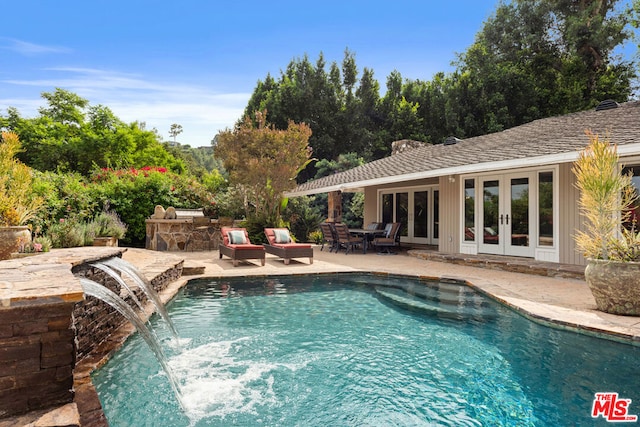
506 214
417 211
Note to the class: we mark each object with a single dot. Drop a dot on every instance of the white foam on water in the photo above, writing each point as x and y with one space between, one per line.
215 384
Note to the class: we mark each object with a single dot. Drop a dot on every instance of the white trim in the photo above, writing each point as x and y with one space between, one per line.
411 190
543 253
571 156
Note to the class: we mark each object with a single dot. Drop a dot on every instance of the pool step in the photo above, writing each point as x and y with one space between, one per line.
467 307
452 293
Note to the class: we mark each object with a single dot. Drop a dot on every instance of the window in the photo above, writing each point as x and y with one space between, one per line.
634 218
545 208
436 214
469 210
387 208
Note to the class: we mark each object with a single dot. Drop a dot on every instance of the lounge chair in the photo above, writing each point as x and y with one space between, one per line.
236 245
281 245
345 239
328 236
391 238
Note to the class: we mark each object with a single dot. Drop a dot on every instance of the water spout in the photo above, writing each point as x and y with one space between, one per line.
111 272
96 290
146 286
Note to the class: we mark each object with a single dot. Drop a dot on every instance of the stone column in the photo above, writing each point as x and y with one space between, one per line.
335 206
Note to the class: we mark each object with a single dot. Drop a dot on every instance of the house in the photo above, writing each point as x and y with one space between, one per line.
506 193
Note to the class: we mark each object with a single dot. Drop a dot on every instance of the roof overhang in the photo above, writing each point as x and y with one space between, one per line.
546 160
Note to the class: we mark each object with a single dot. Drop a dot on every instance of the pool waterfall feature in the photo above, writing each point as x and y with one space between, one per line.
100 292
53 336
143 283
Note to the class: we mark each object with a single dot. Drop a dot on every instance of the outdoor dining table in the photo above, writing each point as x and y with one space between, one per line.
365 233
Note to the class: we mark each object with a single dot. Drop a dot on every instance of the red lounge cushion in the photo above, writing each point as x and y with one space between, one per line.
245 246
291 245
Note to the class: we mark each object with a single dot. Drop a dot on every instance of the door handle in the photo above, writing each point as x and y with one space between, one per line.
501 219
507 218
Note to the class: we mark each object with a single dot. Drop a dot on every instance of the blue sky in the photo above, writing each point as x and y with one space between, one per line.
196 63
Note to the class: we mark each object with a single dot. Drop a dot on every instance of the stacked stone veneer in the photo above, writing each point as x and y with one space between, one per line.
37 356
182 234
95 321
46 325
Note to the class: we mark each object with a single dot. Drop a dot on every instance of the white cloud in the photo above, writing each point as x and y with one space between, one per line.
201 111
30 49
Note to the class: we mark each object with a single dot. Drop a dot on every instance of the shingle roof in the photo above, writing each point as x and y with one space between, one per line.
543 141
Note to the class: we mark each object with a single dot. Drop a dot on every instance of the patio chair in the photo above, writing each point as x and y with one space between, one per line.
236 245
328 236
345 239
391 239
281 245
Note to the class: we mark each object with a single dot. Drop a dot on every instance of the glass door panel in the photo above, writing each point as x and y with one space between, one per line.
417 211
436 216
402 212
506 215
490 212
420 214
387 208
519 221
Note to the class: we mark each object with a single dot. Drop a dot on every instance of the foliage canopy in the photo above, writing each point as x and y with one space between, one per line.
264 160
18 201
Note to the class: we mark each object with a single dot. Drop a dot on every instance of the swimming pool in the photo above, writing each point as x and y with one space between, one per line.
355 350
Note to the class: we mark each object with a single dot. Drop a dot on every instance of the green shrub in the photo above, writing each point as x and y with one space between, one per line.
18 202
134 194
130 194
108 224
316 237
302 217
65 195
44 242
67 233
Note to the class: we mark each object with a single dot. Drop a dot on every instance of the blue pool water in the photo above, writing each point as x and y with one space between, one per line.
361 350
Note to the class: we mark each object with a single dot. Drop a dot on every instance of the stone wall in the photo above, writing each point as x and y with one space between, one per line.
186 234
36 357
94 320
43 314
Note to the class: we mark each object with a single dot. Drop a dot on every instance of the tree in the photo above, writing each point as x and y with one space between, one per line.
175 130
64 106
69 135
265 161
536 59
634 14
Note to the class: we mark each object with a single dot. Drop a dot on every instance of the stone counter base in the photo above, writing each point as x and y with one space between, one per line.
182 235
